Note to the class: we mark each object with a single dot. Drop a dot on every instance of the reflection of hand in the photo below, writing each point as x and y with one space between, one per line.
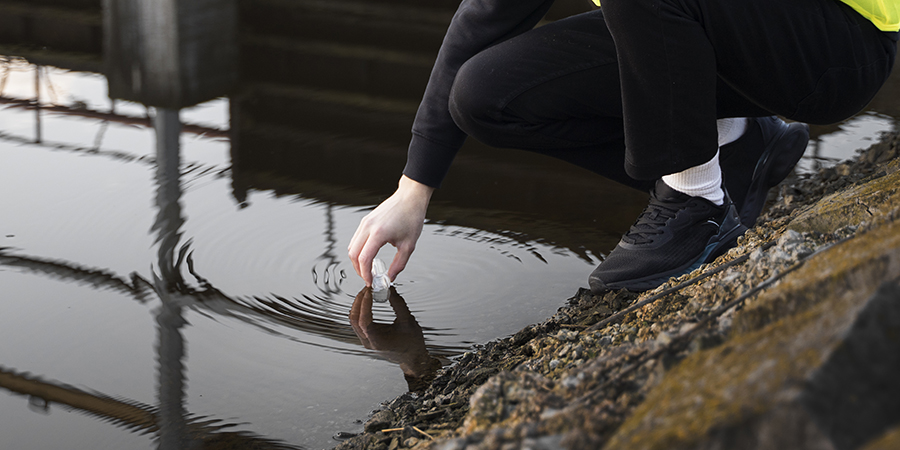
396 221
401 342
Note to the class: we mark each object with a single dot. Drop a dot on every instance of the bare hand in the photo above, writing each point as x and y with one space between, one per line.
397 221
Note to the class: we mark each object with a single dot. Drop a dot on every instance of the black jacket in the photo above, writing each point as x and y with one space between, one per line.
477 24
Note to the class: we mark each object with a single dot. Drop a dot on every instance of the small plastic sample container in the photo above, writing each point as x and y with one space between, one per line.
380 282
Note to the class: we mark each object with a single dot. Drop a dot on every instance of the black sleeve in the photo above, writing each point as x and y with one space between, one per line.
477 24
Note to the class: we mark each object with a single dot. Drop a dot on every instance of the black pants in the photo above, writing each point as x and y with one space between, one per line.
635 95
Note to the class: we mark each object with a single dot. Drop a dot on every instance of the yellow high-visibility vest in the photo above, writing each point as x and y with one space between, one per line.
885 14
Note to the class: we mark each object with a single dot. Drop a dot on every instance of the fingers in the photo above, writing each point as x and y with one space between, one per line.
397 221
365 258
361 258
399 262
364 246
356 245
360 251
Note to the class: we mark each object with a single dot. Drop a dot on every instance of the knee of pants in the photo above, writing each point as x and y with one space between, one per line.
615 7
633 16
473 103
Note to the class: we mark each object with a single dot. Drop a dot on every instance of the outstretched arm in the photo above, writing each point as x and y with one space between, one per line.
477 25
397 221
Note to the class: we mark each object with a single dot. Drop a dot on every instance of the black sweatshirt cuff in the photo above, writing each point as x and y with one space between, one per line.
427 161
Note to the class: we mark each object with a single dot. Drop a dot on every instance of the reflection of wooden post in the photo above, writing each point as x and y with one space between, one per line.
170 53
130 414
123 412
37 104
173 432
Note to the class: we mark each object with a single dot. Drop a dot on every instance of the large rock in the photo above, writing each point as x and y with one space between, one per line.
888 441
824 377
852 206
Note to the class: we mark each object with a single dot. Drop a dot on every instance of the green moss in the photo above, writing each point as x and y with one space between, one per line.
854 266
851 206
888 441
731 384
714 389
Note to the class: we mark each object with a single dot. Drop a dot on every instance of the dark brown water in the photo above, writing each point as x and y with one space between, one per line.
160 283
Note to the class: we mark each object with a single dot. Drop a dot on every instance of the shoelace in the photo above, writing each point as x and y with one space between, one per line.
651 221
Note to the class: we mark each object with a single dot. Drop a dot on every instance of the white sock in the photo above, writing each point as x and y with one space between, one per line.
704 181
730 129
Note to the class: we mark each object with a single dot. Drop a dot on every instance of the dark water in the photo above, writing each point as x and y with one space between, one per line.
188 282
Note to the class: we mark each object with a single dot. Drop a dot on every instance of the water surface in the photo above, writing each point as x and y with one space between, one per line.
159 285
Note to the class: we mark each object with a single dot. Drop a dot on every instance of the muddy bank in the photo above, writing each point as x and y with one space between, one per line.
791 340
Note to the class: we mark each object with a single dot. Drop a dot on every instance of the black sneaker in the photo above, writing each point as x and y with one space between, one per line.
674 235
759 160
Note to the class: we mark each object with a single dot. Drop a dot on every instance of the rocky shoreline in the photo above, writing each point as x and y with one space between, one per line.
790 340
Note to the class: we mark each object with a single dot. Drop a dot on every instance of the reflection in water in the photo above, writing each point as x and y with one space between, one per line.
400 342
325 272
295 127
170 422
37 104
173 433
207 434
173 426
96 278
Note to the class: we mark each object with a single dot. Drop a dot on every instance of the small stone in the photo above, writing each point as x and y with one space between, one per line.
411 442
729 277
455 444
789 199
790 237
664 338
578 351
343 435
570 382
780 254
554 364
726 321
756 255
379 421
548 442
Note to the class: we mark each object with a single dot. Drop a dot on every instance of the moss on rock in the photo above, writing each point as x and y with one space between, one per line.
851 207
746 384
888 441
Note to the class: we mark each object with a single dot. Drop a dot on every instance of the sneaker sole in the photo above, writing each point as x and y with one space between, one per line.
797 135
